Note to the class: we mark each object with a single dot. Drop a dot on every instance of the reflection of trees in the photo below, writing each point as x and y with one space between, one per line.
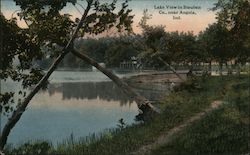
152 91
152 95
105 91
90 90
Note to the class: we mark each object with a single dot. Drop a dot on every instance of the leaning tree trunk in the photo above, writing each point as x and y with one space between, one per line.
20 109
238 68
229 69
210 68
141 101
171 68
220 68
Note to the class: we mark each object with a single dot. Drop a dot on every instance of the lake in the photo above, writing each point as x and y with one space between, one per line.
78 103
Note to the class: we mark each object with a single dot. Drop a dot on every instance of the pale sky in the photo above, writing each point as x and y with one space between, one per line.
159 9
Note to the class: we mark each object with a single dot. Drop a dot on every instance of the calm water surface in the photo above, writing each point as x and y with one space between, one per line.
78 103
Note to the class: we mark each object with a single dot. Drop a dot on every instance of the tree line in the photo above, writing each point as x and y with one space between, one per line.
217 43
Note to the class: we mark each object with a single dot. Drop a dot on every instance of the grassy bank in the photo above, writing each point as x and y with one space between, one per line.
224 131
216 133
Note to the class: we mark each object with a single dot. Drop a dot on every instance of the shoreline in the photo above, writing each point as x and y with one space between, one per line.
155 78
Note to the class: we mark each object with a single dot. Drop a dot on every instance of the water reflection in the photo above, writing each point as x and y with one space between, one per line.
80 108
152 91
107 91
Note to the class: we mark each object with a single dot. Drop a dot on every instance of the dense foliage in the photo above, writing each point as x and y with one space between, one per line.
25 53
49 34
17 54
234 15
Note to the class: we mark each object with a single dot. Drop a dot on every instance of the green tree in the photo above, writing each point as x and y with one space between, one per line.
234 15
218 42
57 32
183 48
153 45
204 48
189 48
118 51
16 47
154 48
95 48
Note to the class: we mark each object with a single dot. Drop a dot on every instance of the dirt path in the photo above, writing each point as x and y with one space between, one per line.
165 137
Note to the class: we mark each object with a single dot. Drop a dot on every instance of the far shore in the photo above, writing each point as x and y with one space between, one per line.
155 78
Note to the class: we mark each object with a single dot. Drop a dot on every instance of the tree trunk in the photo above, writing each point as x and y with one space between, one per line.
20 109
237 68
171 68
220 68
229 69
210 68
16 115
141 101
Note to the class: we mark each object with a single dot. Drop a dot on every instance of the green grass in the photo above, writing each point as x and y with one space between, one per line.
224 131
226 126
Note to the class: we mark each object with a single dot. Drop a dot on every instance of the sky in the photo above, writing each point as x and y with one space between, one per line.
169 13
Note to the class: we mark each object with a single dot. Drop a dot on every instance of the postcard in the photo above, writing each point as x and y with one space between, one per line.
124 77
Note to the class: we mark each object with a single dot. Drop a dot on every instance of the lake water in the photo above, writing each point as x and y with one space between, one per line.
78 103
